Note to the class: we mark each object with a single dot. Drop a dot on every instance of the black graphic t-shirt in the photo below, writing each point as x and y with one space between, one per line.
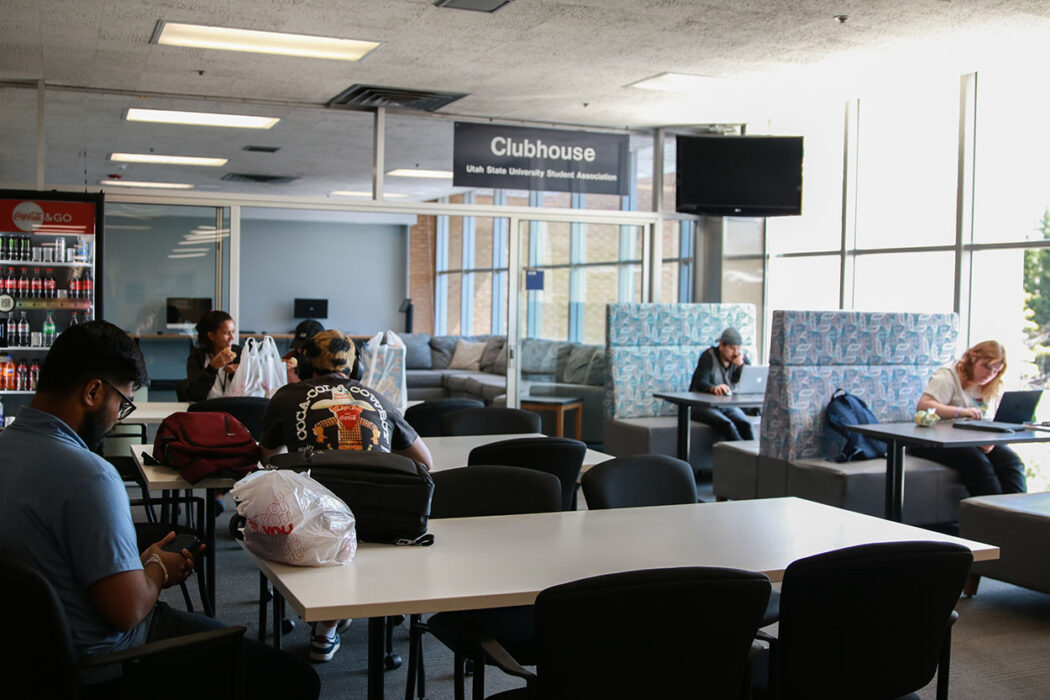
334 413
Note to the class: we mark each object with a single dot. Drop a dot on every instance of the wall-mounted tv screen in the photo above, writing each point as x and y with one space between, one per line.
184 312
310 308
739 175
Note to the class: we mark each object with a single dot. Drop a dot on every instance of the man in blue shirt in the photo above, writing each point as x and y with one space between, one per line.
64 510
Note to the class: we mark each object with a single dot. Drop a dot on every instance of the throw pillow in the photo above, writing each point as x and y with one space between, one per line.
441 349
500 365
417 350
467 356
596 370
493 346
578 364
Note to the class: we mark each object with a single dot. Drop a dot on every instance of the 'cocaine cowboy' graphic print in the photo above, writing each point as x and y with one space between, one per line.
342 418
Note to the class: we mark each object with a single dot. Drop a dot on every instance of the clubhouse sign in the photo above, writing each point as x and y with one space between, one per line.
519 158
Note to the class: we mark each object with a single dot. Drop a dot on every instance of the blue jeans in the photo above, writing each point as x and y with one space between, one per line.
729 423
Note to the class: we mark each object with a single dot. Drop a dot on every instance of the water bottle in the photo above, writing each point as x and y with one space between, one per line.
60 249
49 330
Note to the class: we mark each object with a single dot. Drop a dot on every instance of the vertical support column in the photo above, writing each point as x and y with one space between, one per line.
378 152
654 249
441 280
628 246
577 276
466 297
41 133
964 203
709 281
687 253
500 287
850 162
235 261
537 234
516 283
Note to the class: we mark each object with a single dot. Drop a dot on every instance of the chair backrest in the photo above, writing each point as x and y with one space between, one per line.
249 410
468 492
43 643
562 457
639 480
425 418
867 621
490 421
116 448
659 633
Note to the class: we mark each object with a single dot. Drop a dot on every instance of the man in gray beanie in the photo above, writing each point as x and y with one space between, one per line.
717 372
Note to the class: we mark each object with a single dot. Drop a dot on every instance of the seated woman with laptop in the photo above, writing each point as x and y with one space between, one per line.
967 389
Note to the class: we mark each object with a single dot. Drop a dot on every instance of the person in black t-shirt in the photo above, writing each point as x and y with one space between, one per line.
717 372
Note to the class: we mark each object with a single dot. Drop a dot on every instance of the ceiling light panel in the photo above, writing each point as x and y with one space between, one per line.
201 36
138 183
167 116
167 160
675 82
418 172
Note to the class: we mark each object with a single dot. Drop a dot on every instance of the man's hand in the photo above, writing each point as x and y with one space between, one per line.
179 565
721 390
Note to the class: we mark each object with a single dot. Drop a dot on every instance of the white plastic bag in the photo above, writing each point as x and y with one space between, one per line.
385 368
272 371
293 519
247 380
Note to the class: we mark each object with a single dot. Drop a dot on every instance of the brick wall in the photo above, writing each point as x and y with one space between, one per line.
421 239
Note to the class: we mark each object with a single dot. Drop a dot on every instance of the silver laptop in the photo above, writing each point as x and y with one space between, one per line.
1015 409
752 380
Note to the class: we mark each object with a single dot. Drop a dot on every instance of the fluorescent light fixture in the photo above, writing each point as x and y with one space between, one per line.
200 36
417 172
168 116
191 250
675 82
139 183
176 256
362 193
167 160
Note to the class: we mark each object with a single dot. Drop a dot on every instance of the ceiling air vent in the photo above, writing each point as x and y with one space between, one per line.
476 5
254 177
372 96
262 149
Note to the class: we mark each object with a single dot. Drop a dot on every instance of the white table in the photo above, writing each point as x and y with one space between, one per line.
452 451
472 565
155 411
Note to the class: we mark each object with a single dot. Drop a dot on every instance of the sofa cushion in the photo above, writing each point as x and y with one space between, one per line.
500 365
424 378
487 386
417 350
578 366
441 349
456 380
467 355
596 370
540 356
493 346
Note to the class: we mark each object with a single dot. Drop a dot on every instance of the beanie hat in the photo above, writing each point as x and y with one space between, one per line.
330 351
731 336
304 331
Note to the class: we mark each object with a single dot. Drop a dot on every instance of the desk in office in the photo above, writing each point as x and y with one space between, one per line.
941 434
685 400
470 565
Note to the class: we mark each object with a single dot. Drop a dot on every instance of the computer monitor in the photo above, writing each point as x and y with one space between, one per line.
310 308
185 312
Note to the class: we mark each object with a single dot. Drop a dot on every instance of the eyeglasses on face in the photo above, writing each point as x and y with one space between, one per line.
127 406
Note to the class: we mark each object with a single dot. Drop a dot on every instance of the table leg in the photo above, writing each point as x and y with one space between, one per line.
376 637
579 421
894 480
559 421
209 552
683 431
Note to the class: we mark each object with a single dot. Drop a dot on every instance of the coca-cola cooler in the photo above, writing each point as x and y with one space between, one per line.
50 252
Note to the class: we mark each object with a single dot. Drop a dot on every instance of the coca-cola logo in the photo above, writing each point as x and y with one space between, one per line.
27 216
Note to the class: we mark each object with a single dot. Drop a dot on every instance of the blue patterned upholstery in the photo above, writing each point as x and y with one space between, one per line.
654 347
884 358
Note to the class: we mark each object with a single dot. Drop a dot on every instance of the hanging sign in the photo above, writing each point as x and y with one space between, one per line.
47 216
519 158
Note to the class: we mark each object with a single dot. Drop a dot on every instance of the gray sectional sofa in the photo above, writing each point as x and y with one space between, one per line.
548 368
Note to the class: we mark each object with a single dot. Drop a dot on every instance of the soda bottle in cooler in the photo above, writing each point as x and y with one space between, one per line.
27 248
23 284
36 285
3 332
22 376
74 320
87 286
49 286
10 382
4 242
10 283
34 374
12 331
49 330
74 287
23 331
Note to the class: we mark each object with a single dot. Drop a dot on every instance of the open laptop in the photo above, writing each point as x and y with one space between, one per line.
1015 409
752 380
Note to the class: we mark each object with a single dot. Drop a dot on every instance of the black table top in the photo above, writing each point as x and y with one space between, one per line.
944 434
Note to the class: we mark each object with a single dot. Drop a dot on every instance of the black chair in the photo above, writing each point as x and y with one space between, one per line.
490 421
42 663
149 532
562 457
872 621
474 492
425 418
115 448
597 637
639 480
249 410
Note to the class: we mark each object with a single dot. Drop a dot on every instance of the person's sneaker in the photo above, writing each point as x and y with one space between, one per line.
343 625
322 647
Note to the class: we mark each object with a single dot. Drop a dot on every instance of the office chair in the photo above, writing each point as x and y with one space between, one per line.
477 491
639 480
490 421
562 457
115 448
425 418
657 633
249 410
872 621
41 662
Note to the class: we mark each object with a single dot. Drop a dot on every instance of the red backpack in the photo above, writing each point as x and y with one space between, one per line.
201 443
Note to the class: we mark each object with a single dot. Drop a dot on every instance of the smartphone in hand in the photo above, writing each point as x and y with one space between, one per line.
183 541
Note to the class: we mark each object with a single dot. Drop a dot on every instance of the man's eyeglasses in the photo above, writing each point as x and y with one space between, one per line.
127 406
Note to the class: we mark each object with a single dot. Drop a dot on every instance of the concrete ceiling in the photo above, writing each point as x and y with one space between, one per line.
560 62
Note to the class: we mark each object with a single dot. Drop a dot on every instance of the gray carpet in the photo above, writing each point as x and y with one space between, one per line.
1001 643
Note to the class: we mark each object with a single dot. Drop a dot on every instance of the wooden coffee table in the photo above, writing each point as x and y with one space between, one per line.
557 404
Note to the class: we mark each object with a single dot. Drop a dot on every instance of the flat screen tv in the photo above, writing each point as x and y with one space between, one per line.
184 312
310 308
739 175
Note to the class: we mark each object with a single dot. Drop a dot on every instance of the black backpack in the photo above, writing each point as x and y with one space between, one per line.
846 409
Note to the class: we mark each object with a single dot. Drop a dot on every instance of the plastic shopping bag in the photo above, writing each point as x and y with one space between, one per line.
385 368
272 371
248 379
293 519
